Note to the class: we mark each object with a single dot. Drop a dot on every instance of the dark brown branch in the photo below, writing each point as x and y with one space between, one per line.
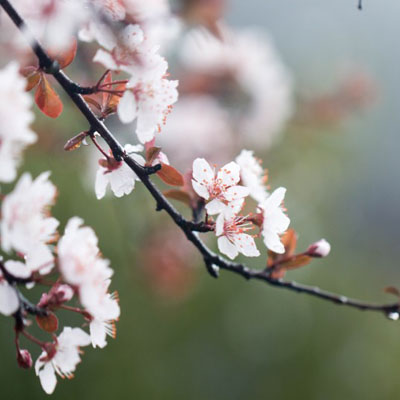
213 261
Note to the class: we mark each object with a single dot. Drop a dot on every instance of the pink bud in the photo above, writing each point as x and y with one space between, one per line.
64 293
24 359
319 249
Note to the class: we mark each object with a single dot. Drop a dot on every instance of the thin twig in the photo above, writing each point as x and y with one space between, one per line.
212 260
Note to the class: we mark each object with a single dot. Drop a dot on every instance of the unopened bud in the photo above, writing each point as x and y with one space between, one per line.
24 359
319 249
64 293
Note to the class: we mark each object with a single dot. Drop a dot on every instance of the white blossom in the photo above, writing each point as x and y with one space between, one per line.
65 359
232 239
252 175
118 174
16 116
149 101
26 226
275 221
219 189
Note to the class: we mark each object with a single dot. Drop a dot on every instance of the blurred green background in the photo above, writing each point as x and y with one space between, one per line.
231 339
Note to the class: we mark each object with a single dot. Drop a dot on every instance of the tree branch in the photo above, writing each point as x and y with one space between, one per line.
213 261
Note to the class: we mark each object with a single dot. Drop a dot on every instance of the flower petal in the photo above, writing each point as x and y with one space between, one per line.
101 183
201 190
202 172
127 107
9 302
48 378
227 248
215 207
246 245
229 174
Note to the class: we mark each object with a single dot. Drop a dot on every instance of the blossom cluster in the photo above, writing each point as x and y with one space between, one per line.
35 253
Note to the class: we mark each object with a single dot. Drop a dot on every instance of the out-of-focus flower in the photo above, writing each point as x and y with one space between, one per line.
105 313
219 189
16 116
245 74
63 358
9 302
26 226
117 174
275 221
252 175
54 23
187 126
231 237
82 266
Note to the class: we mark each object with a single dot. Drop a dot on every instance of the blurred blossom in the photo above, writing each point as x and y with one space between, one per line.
168 264
201 126
247 89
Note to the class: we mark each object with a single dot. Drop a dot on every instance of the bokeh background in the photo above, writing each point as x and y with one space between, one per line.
183 335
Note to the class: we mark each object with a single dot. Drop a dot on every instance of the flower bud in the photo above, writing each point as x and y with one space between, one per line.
24 359
64 293
319 249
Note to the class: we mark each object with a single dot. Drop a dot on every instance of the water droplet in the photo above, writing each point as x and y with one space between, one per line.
394 316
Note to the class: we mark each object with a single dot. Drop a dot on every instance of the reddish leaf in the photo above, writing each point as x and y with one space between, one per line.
178 195
296 262
170 175
48 323
151 154
92 102
32 81
47 99
75 142
106 96
392 290
65 57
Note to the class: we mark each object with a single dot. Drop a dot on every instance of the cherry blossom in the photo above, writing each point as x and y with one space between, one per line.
62 359
82 266
252 175
117 174
219 189
9 302
231 237
15 114
26 226
149 101
275 222
79 255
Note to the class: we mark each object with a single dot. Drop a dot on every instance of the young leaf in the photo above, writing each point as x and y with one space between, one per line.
48 323
32 81
47 99
170 175
178 195
151 154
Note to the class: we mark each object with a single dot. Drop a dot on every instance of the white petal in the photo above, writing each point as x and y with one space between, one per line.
229 174
9 302
273 242
101 183
219 225
17 269
98 334
233 208
275 199
106 59
227 248
202 172
48 378
201 190
215 207
127 107
236 192
246 245
122 180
